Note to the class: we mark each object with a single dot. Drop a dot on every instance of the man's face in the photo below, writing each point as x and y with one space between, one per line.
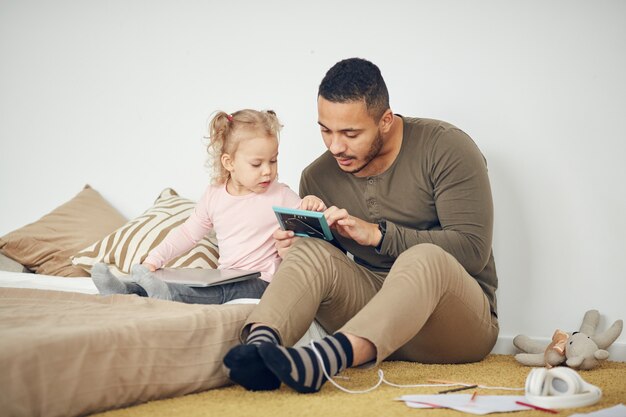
350 133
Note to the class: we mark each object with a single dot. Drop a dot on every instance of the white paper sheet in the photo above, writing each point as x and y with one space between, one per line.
618 411
482 404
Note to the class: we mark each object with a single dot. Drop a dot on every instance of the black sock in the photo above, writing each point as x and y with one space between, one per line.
336 353
246 367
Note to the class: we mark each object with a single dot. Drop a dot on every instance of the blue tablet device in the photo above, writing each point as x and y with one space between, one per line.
303 222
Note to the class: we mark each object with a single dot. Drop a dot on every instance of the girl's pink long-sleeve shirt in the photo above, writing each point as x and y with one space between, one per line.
243 226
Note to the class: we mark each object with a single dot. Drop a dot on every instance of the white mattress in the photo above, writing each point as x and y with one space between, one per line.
46 282
86 286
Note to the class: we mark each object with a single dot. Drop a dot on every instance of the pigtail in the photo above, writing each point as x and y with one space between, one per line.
273 124
220 129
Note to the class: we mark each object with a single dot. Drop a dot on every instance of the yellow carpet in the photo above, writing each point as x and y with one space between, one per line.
496 370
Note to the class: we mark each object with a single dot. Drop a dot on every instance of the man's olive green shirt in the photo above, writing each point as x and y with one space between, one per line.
436 191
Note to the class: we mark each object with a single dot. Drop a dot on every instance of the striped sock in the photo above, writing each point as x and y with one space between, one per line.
300 367
246 367
262 334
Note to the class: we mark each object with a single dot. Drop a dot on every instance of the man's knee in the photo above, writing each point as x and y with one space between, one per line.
423 253
424 262
317 248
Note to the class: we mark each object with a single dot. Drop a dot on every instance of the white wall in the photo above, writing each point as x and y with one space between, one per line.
117 94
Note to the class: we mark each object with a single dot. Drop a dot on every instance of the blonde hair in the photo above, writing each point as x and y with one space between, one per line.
227 130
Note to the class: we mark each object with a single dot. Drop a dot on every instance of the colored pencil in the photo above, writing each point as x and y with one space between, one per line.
536 407
428 404
457 389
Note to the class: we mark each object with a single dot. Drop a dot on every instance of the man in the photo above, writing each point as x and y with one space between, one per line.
410 200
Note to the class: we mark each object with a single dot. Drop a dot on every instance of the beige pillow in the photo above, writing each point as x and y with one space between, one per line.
131 243
46 245
8 264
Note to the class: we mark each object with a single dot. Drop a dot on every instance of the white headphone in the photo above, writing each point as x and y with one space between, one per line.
560 387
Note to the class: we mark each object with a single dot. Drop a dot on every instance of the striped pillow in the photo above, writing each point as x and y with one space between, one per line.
131 243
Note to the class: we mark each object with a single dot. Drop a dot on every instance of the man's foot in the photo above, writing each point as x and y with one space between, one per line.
106 282
246 367
300 368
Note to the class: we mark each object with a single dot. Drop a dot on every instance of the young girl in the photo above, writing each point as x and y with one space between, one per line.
237 205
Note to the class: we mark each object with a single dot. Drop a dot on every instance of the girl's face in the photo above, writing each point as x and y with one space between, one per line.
253 166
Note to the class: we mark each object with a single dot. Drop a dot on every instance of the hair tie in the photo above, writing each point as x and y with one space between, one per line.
229 117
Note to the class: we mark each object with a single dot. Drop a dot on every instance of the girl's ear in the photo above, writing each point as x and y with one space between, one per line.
227 162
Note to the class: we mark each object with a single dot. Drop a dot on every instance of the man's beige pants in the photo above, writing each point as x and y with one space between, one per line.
427 309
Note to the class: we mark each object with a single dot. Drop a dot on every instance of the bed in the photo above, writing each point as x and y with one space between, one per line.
67 351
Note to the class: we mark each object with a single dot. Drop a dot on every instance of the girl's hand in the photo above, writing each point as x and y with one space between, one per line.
310 202
283 239
362 232
150 267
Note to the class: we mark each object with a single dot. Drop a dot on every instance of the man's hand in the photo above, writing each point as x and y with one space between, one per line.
283 239
310 202
362 232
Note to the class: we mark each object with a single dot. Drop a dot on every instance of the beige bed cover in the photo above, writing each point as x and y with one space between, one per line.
69 354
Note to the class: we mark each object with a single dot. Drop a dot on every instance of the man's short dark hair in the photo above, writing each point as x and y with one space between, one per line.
356 79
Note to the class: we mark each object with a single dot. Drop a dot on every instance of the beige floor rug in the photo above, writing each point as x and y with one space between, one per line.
496 370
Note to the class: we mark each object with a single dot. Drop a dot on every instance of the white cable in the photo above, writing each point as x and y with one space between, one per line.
501 388
382 380
418 385
319 358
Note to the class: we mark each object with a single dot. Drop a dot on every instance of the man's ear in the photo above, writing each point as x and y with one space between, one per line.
227 162
386 121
